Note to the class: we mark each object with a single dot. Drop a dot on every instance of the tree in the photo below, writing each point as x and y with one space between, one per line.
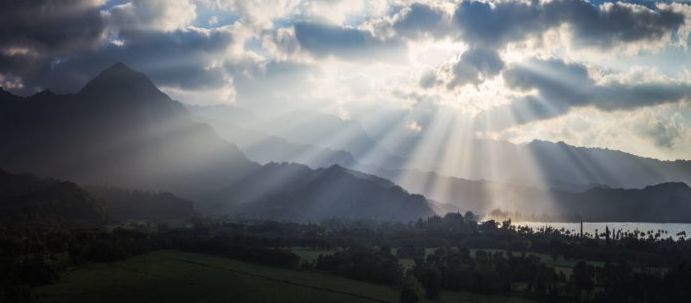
582 277
411 290
430 277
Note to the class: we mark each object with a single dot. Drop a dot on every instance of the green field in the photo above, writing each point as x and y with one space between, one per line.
172 276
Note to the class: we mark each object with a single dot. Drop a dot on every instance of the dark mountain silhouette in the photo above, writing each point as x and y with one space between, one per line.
30 199
118 130
121 131
665 202
295 191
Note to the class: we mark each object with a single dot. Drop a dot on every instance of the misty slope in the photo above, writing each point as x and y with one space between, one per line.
326 136
235 125
295 191
580 165
121 131
30 199
539 163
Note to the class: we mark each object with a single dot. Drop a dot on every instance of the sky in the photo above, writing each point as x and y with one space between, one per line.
591 73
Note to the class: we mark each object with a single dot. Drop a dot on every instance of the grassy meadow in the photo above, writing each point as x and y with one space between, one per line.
174 276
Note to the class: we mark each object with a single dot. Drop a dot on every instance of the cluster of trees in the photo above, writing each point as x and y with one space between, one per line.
491 273
361 263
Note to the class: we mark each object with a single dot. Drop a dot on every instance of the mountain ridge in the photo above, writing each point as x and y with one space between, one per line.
137 137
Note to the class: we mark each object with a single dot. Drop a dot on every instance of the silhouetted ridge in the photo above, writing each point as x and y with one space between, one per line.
293 191
30 199
7 96
670 186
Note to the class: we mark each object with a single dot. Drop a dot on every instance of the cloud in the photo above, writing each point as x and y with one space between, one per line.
663 134
34 31
475 65
560 86
181 59
419 20
156 15
606 25
271 85
611 24
328 40
495 24
487 27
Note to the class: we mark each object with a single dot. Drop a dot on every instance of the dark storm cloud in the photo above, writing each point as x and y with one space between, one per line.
491 26
176 59
33 31
614 24
561 86
324 40
50 26
486 25
602 26
475 65
60 44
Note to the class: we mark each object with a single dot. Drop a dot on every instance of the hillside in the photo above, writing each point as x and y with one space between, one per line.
28 199
284 191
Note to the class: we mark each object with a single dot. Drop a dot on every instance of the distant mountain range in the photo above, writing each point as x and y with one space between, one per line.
540 164
121 131
539 178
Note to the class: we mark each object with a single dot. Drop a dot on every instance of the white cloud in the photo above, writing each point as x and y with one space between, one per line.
153 15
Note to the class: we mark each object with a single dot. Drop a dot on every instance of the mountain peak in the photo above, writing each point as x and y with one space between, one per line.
122 82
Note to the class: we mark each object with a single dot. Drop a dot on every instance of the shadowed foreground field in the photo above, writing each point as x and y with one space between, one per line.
172 276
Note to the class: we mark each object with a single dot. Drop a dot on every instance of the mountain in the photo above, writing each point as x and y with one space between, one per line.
118 130
284 191
587 166
121 131
547 165
239 125
331 132
538 179
664 202
27 198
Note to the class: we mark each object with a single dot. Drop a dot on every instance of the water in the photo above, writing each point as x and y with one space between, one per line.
590 227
